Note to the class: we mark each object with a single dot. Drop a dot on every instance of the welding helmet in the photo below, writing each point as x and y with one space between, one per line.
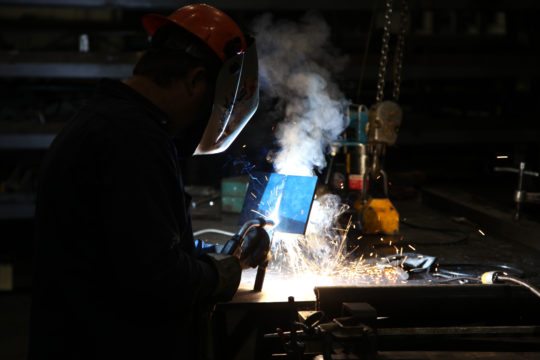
237 86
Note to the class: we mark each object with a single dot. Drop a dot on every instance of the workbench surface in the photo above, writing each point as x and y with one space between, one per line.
480 245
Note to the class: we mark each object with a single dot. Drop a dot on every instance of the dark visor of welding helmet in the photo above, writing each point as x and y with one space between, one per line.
235 101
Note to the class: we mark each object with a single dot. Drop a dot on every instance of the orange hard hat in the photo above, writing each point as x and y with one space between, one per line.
212 26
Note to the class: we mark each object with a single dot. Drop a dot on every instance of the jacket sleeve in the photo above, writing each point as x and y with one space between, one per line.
146 222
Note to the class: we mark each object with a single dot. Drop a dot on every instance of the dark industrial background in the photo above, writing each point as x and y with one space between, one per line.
470 92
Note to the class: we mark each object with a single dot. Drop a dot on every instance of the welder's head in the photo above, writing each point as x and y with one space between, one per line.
173 52
202 37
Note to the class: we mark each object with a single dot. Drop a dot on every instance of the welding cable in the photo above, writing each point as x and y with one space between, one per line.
456 278
423 227
506 268
463 235
450 276
492 277
452 273
215 231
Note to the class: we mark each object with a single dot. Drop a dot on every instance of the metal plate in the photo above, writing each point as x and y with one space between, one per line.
285 199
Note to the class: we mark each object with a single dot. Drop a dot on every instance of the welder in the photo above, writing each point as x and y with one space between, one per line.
117 275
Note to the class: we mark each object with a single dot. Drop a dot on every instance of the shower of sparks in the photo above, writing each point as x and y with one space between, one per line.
320 257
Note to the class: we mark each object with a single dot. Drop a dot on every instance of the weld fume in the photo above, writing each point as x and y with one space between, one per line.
296 66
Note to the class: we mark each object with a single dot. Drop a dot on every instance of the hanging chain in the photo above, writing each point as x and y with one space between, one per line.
384 51
398 56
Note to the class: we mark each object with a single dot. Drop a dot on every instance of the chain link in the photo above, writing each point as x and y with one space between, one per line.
398 55
384 51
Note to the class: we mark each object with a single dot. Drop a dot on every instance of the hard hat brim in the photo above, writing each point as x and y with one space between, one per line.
215 28
153 22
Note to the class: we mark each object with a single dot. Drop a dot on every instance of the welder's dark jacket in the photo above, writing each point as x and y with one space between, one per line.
115 275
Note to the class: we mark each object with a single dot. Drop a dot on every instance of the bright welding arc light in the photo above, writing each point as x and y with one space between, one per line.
274 215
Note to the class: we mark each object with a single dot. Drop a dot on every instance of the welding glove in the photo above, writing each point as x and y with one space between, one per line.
256 248
229 274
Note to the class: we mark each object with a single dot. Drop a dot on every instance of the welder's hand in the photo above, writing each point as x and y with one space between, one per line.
229 273
256 248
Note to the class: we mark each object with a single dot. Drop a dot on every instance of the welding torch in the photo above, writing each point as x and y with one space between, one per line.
237 241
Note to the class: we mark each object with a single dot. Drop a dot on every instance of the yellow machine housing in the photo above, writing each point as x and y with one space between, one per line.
380 217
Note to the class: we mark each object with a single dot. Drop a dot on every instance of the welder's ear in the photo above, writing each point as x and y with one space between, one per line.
196 81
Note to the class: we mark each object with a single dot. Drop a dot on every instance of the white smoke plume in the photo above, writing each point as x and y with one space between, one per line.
296 65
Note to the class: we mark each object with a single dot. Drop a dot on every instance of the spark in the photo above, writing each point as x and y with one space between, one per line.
502 156
244 146
481 232
412 247
254 196
403 262
258 212
321 255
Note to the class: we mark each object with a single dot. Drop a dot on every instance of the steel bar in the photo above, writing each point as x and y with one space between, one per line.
437 305
461 330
